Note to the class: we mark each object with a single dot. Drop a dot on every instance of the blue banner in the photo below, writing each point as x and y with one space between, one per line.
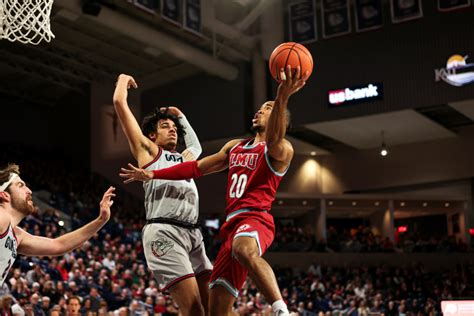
302 21
171 10
368 14
336 17
450 5
152 6
405 10
192 16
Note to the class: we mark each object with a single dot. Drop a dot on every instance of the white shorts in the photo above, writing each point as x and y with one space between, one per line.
174 253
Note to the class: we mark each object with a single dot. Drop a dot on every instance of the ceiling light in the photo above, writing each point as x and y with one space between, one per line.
446 204
383 148
330 202
425 204
377 203
304 202
313 153
402 204
354 203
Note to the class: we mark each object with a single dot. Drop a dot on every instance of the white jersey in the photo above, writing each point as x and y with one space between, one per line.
8 245
177 200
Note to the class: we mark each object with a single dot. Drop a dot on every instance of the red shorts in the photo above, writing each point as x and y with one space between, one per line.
227 270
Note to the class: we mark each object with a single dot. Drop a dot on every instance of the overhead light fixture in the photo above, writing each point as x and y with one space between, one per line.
313 153
304 202
383 148
330 202
402 204
446 204
425 204
354 203
377 203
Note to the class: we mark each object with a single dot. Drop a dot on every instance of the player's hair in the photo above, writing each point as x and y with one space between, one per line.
150 122
5 173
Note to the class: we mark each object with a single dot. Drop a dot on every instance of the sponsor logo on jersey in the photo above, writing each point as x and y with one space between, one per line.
161 246
246 160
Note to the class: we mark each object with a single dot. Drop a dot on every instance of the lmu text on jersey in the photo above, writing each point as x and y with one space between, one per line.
246 160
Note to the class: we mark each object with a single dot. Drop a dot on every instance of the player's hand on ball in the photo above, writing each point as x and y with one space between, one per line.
129 80
292 80
135 174
106 203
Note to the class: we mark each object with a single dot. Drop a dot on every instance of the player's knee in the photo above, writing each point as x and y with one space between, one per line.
218 309
195 308
244 254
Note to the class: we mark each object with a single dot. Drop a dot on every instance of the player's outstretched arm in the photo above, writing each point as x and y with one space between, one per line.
292 82
142 148
193 146
31 245
187 170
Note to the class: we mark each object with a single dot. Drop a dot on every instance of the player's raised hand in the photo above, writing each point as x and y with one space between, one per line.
128 80
135 174
292 80
106 203
172 110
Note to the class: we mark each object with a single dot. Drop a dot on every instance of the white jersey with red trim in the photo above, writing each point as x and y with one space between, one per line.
8 246
177 200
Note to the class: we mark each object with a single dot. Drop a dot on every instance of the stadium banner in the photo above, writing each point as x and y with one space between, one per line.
151 6
302 21
192 16
368 15
336 17
405 10
356 94
450 5
171 11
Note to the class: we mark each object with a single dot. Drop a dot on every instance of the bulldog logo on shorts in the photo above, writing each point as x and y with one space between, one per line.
161 246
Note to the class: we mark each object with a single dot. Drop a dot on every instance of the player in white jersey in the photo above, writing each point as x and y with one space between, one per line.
15 204
172 242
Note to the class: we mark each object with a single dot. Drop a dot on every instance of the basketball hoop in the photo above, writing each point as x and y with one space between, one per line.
26 21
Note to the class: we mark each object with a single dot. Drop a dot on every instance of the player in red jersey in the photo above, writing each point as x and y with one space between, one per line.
256 167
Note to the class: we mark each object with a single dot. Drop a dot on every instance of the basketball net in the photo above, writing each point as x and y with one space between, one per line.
26 21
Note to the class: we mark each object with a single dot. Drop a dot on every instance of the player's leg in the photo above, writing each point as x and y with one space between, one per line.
246 251
186 294
203 285
221 302
168 258
202 266
227 278
251 239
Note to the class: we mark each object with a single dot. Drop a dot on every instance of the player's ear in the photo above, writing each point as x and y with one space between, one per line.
153 136
4 197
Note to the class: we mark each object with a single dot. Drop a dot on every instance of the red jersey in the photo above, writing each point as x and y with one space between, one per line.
251 183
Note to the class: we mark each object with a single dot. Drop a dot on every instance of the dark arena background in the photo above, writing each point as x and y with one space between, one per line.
375 215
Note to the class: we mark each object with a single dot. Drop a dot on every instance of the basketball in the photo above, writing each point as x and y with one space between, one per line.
292 54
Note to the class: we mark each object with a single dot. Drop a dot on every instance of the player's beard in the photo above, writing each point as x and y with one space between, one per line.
22 205
171 145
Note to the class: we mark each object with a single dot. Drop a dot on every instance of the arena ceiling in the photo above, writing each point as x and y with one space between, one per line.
87 48
126 39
